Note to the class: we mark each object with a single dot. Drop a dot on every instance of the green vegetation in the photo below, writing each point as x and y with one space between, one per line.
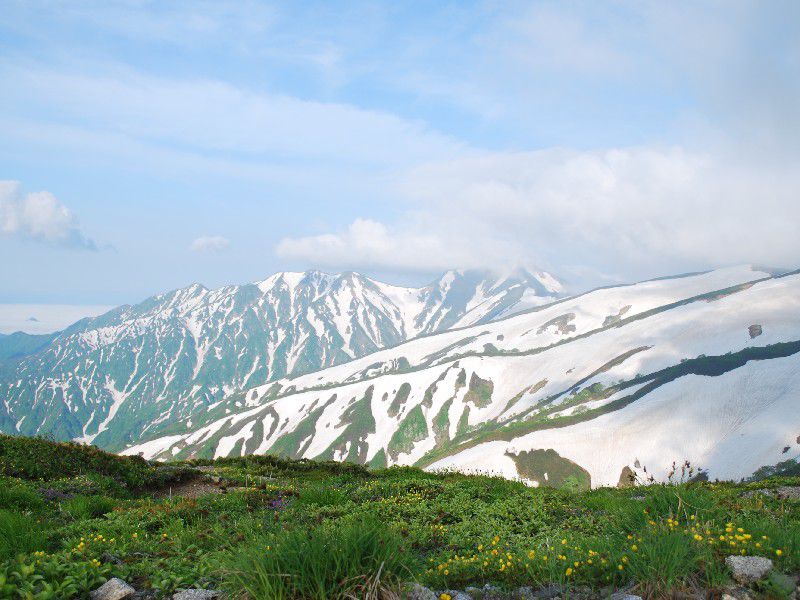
272 527
332 561
479 392
548 466
412 429
399 399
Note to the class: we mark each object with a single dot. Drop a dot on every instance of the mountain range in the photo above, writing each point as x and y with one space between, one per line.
477 371
137 370
618 384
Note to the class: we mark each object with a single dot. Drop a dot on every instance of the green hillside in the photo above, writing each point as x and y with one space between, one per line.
73 516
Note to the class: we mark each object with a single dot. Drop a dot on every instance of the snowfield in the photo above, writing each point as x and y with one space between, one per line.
636 376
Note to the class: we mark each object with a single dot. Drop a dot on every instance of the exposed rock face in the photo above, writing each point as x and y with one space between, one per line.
627 478
113 589
748 569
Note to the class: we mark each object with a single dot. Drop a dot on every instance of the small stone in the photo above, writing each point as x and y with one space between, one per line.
624 596
523 593
748 569
113 589
194 594
415 591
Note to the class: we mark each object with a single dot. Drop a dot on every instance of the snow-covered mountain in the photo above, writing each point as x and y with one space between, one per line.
589 389
136 369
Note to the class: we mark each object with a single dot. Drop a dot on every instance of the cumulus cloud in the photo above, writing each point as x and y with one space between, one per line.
210 243
641 211
39 216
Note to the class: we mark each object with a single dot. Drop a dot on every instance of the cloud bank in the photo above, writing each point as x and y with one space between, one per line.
39 216
639 209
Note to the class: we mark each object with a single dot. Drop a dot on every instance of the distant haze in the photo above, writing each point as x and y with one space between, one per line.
44 318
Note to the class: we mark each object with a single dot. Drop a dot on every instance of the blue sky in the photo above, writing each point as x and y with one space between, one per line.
148 145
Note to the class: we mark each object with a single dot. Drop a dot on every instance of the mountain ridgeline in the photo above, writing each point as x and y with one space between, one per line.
136 370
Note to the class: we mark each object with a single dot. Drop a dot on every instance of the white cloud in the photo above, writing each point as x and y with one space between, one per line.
367 244
224 119
39 216
210 243
640 211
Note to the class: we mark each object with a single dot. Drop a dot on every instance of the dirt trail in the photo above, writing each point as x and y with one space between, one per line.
191 488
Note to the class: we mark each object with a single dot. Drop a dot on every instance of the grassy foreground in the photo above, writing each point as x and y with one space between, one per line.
267 528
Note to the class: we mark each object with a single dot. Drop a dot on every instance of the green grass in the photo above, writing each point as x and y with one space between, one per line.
19 534
339 528
352 558
37 458
88 507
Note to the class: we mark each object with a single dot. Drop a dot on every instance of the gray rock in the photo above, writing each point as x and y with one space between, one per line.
788 492
197 595
109 558
487 592
784 492
747 569
113 589
415 591
624 596
736 593
523 593
456 595
547 593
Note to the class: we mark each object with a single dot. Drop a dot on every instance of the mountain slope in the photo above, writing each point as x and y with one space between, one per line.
136 369
701 367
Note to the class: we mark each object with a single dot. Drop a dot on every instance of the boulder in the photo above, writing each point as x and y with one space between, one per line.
195 594
748 569
113 589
